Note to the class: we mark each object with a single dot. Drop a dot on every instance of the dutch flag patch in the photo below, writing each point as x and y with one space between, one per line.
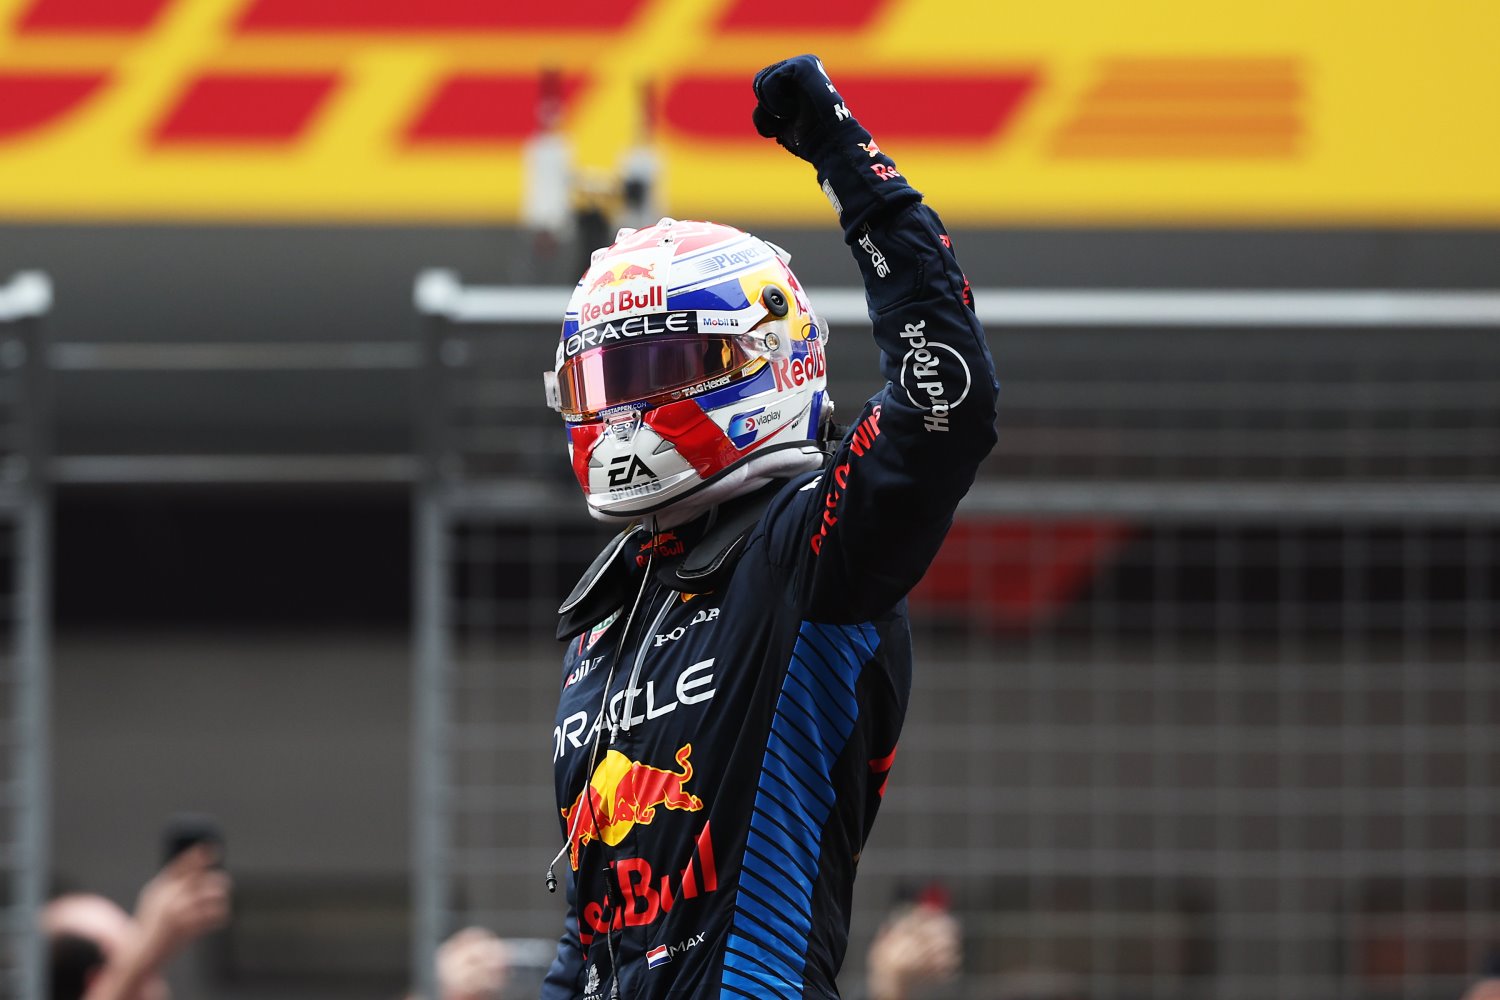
657 956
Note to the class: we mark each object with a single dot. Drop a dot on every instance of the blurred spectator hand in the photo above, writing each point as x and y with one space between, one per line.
915 946
186 900
472 965
1485 989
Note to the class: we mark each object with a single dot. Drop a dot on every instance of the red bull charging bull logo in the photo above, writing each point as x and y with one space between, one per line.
623 792
603 299
625 272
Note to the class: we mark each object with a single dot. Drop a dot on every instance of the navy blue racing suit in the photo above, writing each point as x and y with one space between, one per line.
724 818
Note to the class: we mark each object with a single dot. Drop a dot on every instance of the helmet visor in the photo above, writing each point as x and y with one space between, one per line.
647 368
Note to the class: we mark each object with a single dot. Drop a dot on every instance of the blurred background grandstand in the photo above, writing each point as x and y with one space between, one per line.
1207 676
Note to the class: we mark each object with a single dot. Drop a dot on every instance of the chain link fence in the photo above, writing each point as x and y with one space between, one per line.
1206 678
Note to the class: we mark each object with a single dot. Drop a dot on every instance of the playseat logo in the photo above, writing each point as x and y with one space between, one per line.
715 263
877 259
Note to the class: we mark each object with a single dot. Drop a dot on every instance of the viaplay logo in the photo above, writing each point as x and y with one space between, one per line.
742 428
745 427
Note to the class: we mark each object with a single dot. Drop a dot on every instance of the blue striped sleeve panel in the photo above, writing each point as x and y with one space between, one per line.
815 714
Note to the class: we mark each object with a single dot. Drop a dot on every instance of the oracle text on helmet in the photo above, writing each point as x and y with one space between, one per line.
631 326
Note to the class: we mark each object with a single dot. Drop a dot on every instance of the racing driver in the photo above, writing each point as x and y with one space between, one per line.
739 660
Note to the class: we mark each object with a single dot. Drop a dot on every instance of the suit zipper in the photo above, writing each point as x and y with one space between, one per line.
635 672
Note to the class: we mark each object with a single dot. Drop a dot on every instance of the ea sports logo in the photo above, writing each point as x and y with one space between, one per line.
626 469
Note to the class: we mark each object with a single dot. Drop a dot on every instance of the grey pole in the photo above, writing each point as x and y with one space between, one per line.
429 826
32 644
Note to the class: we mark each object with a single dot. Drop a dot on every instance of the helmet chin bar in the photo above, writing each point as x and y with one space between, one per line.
623 423
648 502
751 472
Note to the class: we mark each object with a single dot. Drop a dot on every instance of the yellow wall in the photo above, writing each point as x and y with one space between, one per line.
1302 111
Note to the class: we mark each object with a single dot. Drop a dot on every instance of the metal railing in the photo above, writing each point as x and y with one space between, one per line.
1234 548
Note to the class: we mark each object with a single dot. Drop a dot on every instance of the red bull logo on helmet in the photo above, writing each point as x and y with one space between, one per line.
794 372
603 294
623 792
622 272
622 303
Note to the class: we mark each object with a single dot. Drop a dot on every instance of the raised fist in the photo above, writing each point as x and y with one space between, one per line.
798 105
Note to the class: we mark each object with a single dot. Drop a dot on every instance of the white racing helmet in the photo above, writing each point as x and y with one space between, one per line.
690 369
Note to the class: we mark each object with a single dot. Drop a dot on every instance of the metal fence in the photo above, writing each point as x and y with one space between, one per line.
1206 677
24 528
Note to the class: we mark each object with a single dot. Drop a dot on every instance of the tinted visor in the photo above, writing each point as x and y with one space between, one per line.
647 367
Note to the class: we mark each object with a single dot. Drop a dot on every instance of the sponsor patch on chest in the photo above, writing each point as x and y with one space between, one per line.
673 634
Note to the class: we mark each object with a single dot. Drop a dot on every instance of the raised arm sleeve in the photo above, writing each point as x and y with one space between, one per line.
882 509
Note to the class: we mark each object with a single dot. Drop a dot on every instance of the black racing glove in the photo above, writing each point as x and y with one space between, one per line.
799 107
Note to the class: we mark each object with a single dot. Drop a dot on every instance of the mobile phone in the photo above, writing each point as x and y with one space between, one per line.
186 830
933 894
